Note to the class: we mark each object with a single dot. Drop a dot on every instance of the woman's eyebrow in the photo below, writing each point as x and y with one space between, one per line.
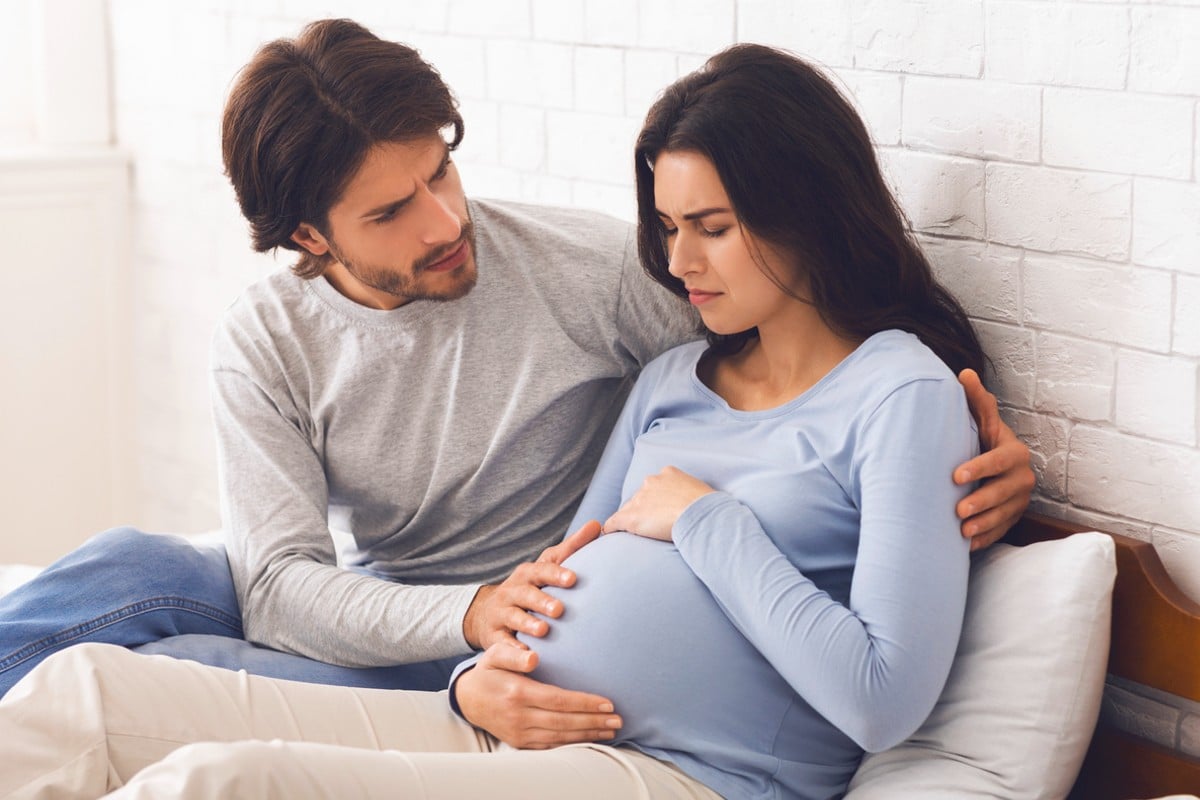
704 212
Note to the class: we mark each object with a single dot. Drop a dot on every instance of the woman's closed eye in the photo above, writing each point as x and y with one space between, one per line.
712 233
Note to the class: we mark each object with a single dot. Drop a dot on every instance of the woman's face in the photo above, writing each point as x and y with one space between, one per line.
719 263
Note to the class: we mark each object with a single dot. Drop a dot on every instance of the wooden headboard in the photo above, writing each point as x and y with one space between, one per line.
1155 642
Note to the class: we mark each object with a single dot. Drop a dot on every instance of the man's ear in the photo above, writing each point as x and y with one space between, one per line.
307 236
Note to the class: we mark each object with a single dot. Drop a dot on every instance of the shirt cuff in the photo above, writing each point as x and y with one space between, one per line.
452 693
693 516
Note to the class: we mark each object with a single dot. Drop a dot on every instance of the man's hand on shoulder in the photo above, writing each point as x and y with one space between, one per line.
498 696
1006 479
497 612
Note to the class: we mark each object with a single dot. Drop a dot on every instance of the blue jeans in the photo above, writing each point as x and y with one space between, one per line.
161 594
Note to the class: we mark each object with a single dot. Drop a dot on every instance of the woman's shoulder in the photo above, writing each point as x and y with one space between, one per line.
890 363
895 357
667 380
679 361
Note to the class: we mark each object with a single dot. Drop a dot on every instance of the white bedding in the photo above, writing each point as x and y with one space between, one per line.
13 575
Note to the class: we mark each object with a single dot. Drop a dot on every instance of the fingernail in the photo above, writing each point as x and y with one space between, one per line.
969 508
612 722
606 708
550 606
965 475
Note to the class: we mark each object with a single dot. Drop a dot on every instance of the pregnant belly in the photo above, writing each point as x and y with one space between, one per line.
641 629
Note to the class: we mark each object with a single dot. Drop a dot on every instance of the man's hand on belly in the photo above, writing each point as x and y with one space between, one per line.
497 612
498 696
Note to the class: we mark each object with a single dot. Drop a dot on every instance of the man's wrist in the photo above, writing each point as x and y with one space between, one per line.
471 619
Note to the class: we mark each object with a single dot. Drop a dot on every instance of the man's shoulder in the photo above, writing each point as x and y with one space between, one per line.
264 308
551 227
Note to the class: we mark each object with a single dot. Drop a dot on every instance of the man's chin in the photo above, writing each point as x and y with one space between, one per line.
454 285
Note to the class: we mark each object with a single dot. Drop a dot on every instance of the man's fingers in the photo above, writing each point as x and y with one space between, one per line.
565 701
988 527
527 713
541 573
984 498
518 621
542 696
508 639
568 722
572 544
508 657
983 405
531 598
990 464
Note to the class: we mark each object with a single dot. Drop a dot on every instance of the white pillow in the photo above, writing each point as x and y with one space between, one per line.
1023 695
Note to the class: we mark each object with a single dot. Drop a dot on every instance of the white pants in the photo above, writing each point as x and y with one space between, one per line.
95 718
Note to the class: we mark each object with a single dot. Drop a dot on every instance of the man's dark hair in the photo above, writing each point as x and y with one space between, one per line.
303 114
801 173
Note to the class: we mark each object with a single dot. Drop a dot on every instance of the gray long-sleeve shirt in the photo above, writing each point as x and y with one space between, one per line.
452 439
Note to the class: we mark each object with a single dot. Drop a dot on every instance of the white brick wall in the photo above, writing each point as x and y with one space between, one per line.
1057 44
1156 397
1117 132
1045 151
1113 303
941 194
1075 377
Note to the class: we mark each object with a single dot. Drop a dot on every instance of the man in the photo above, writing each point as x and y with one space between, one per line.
437 376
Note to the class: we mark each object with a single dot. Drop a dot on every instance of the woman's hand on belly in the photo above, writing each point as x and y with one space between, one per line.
655 506
498 696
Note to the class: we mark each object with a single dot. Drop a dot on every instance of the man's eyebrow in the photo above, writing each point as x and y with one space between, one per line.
390 208
701 214
396 205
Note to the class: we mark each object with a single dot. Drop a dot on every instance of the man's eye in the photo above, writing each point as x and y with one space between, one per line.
385 218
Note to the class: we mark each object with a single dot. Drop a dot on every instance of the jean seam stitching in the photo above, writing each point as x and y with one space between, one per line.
134 609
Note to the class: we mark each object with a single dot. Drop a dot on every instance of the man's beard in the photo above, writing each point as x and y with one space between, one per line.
405 285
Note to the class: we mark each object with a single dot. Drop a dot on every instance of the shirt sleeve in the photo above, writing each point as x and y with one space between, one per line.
874 669
293 596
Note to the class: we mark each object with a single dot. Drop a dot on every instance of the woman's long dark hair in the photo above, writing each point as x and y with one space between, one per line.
800 171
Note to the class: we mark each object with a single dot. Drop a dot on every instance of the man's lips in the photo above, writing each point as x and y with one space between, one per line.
453 259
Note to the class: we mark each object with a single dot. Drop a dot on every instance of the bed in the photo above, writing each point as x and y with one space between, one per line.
1155 644
1020 710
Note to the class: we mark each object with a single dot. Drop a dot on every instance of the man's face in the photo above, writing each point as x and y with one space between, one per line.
400 231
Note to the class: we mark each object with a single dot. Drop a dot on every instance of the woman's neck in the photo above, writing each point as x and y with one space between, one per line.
787 359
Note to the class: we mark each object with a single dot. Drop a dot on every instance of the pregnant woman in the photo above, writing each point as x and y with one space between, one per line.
781 582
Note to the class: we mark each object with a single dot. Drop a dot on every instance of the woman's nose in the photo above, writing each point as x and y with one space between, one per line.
683 258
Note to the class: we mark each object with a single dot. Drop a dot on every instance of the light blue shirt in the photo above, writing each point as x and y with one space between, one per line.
807 610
